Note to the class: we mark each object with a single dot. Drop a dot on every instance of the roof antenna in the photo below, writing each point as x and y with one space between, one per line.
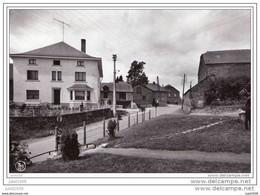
63 23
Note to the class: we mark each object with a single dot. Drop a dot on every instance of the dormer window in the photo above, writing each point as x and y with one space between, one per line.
80 63
32 61
56 62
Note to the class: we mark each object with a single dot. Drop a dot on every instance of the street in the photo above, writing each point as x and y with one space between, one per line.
94 131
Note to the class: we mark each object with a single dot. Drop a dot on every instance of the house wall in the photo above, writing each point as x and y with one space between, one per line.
150 95
172 99
138 98
45 85
195 98
129 96
224 70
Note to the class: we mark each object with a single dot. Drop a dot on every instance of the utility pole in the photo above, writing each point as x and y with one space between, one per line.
63 23
190 84
114 86
184 80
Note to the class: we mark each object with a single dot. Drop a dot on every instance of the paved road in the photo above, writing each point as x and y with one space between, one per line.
95 131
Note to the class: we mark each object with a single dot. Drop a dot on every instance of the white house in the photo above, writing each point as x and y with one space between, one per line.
57 74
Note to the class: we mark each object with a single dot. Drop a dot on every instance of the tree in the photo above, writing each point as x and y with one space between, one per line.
136 75
119 79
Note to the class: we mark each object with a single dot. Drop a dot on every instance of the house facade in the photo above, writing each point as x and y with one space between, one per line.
145 94
124 94
57 74
217 65
173 95
224 64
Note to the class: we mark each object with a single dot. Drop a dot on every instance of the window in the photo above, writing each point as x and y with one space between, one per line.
105 94
71 95
80 63
169 94
138 90
56 75
122 95
175 95
32 75
79 95
144 97
32 94
32 61
80 76
59 75
56 62
88 95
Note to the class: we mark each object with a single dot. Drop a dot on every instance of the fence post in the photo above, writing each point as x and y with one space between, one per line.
104 127
144 115
155 111
137 118
85 136
117 122
149 114
15 112
128 119
56 138
33 112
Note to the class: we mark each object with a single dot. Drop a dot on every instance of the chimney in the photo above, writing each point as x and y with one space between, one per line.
83 45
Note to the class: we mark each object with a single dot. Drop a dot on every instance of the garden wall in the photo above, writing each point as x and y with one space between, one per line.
33 127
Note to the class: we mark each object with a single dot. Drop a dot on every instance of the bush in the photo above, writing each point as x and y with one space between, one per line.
69 145
111 128
226 89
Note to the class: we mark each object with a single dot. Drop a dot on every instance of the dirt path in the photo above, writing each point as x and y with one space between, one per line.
176 155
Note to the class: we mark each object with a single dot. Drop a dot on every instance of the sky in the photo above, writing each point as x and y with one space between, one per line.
170 41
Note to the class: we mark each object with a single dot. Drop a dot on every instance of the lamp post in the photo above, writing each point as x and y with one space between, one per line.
114 86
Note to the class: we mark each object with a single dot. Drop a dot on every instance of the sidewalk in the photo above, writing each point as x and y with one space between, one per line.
226 157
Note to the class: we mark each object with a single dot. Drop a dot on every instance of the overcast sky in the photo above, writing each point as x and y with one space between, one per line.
169 41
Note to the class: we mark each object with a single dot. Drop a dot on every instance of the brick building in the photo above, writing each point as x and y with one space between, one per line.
226 63
173 95
145 94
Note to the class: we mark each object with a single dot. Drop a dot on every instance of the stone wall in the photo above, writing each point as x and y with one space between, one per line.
224 70
69 121
195 97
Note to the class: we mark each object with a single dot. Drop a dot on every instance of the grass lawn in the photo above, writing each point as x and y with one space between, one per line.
164 133
107 163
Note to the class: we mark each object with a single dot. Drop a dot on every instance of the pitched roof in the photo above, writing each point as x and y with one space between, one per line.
155 87
171 87
60 49
227 56
120 87
80 87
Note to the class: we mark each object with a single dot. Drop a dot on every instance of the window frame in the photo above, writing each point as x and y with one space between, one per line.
33 61
80 63
54 64
80 76
88 95
32 76
37 95
77 95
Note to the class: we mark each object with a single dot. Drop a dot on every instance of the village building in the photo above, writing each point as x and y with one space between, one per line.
224 64
124 94
217 65
145 94
173 95
57 74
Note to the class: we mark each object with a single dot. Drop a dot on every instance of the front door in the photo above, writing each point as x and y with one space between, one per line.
56 96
